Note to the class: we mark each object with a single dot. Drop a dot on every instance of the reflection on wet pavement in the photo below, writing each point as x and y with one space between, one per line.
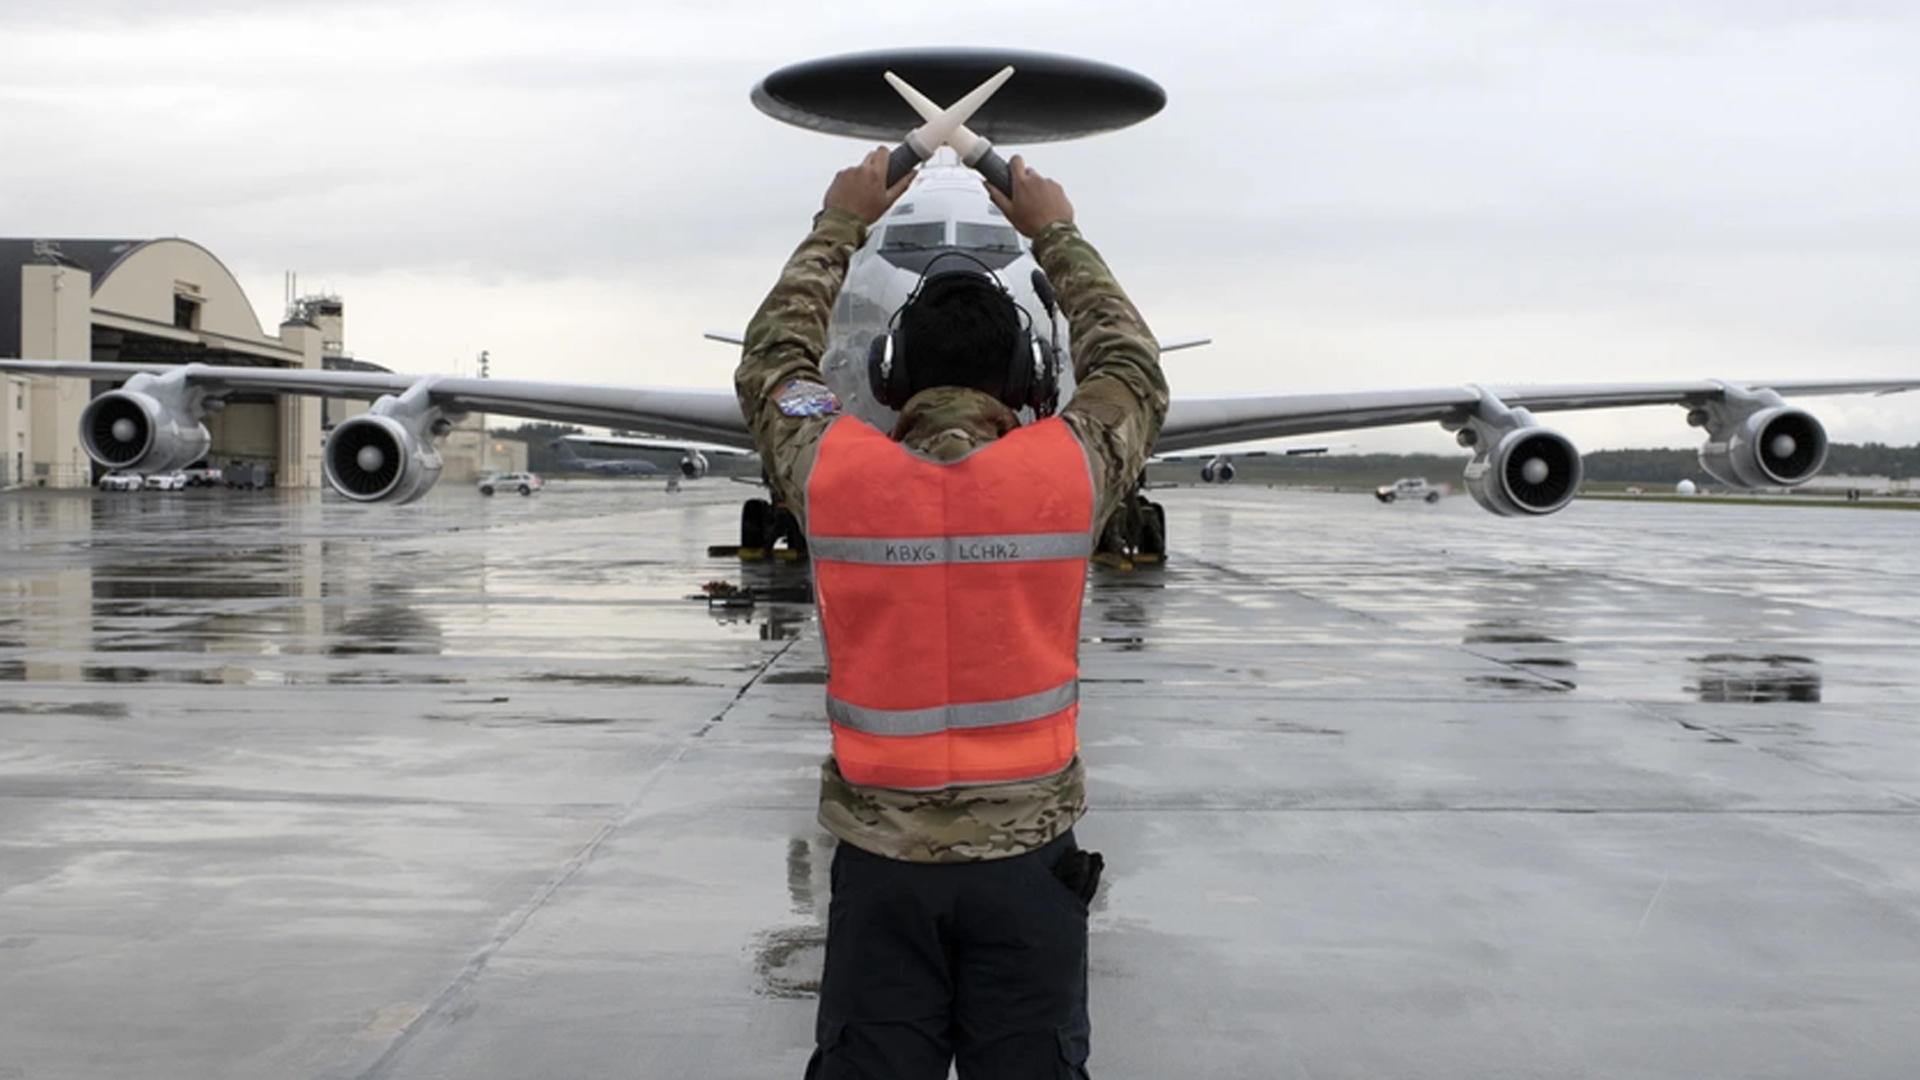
213 587
537 809
1756 680
788 958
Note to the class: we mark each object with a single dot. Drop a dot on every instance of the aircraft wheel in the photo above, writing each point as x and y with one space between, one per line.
756 526
1152 541
1113 538
787 527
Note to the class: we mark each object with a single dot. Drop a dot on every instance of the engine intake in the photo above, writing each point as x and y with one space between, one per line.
1217 471
1755 442
1518 466
1531 470
142 432
694 465
375 458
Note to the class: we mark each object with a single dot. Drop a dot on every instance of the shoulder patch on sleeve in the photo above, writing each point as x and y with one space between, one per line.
807 398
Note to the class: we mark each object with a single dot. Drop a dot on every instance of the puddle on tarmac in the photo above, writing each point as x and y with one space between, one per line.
1732 679
797 678
1541 685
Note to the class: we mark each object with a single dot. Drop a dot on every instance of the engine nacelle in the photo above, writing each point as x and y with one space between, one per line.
1217 471
694 465
385 455
1518 466
1756 440
1530 470
152 424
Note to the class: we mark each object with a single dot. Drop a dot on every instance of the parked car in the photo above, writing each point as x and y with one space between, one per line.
167 481
525 483
122 481
202 474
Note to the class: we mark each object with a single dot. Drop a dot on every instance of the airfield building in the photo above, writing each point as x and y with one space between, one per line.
162 301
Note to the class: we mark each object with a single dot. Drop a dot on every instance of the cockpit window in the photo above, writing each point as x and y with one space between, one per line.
981 237
917 236
913 246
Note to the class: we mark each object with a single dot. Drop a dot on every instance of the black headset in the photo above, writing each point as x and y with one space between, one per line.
1032 371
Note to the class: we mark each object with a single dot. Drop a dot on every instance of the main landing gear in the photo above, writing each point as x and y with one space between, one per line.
768 530
1135 535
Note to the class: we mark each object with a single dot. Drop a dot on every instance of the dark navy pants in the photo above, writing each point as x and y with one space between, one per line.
982 964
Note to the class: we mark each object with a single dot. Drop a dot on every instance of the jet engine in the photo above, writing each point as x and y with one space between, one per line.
1217 471
1518 466
151 424
1756 440
694 465
386 454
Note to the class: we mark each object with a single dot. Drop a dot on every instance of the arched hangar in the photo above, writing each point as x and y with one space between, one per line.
167 301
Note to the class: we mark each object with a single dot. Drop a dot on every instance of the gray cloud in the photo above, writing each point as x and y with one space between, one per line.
1701 175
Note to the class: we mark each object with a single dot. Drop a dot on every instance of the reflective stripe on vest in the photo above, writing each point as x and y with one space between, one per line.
940 717
897 551
949 598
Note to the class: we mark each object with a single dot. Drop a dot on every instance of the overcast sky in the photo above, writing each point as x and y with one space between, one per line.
1342 193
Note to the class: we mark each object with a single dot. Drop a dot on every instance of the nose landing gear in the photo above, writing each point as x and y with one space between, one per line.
1135 535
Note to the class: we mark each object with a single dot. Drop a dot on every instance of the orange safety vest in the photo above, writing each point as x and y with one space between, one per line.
949 598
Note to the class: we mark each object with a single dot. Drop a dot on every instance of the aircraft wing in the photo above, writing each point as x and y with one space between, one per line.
1192 424
1754 439
1204 422
711 415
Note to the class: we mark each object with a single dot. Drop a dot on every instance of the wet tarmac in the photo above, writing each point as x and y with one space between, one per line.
472 788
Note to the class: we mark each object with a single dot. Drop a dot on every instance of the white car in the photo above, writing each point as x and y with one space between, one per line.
1410 489
122 481
525 483
167 481
201 474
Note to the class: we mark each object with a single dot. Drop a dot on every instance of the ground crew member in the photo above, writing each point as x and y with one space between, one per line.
949 561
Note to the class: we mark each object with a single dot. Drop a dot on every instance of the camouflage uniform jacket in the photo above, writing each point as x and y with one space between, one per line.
1118 405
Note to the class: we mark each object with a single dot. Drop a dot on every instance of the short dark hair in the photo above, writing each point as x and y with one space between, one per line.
959 329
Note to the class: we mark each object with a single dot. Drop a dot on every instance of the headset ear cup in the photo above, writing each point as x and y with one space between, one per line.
887 370
878 366
1018 387
1046 389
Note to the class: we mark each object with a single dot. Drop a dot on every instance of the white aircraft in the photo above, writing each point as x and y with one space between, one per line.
693 464
1216 465
153 422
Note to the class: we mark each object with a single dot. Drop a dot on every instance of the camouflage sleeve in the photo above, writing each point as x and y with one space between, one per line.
1120 394
784 344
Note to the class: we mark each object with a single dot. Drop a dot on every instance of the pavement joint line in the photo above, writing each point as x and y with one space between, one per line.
476 965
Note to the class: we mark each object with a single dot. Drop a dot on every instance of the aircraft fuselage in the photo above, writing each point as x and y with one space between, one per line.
945 212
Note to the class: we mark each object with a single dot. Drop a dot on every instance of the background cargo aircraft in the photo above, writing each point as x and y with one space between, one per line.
601 466
1753 438
694 461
